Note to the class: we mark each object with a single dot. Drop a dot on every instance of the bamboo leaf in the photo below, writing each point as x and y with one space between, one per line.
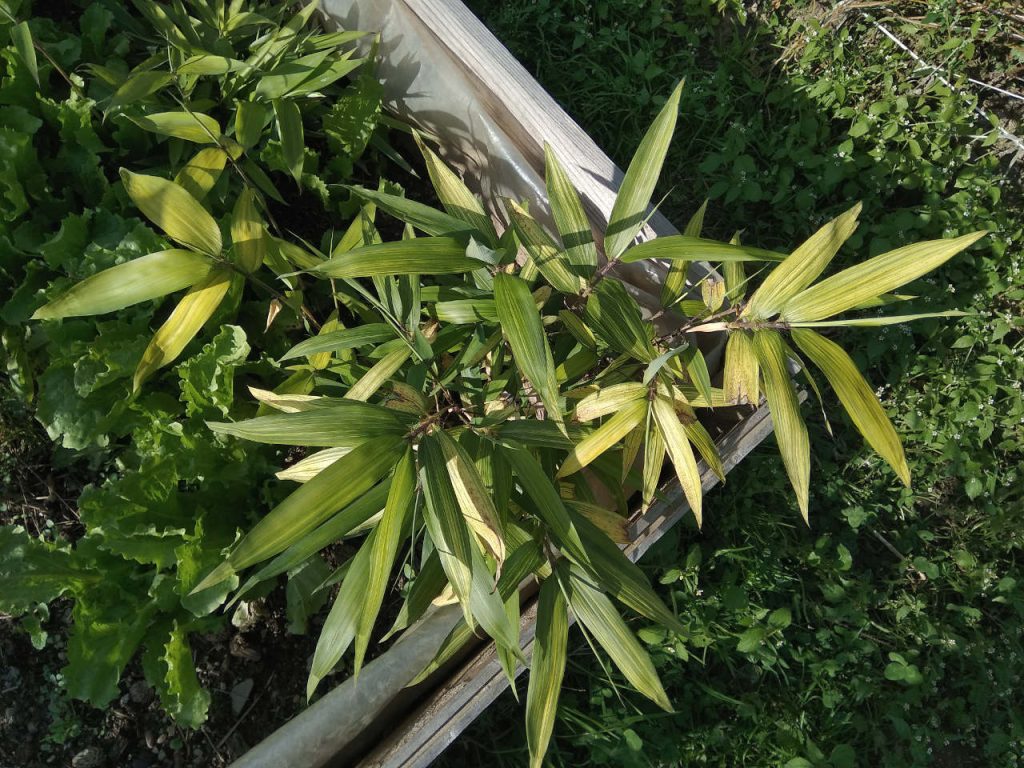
251 118
570 217
310 505
697 369
790 430
466 311
293 141
306 469
174 210
677 445
521 324
675 279
654 462
422 256
547 669
384 548
335 341
802 267
190 126
596 612
874 322
473 497
424 218
455 196
627 418
609 400
634 197
686 248
376 377
856 396
208 64
138 87
741 380
191 314
248 233
615 317
546 255
21 36
339 424
874 277
142 279
202 172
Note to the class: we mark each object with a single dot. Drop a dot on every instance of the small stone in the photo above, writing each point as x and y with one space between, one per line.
90 757
141 692
240 695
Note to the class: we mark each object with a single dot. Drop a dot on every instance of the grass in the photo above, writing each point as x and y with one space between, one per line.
890 632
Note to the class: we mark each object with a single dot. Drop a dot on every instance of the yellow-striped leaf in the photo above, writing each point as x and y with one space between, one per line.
521 324
455 196
634 197
741 380
802 267
142 279
602 620
474 499
322 423
547 669
377 376
191 314
686 248
678 447
675 279
790 430
856 396
604 437
422 256
874 277
567 210
609 400
546 255
174 210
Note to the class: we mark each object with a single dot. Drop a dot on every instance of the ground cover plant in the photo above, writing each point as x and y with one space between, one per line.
889 633
461 387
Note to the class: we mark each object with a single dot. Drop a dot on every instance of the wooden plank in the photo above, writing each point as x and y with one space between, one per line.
436 723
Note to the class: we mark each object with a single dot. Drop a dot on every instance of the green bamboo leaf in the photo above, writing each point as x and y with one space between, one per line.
174 210
209 64
634 197
473 497
422 256
675 279
597 614
686 248
202 172
138 87
455 196
293 141
677 444
578 329
429 581
339 424
856 396
148 277
654 462
874 322
445 523
802 267
187 319
335 69
545 253
290 74
547 669
659 362
342 621
615 317
697 369
348 338
378 375
21 36
310 505
251 118
521 324
248 233
466 311
190 126
387 537
620 577
570 217
790 430
625 420
872 278
537 484
428 220
741 380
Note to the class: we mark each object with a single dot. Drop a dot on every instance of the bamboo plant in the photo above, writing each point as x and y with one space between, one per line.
482 396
